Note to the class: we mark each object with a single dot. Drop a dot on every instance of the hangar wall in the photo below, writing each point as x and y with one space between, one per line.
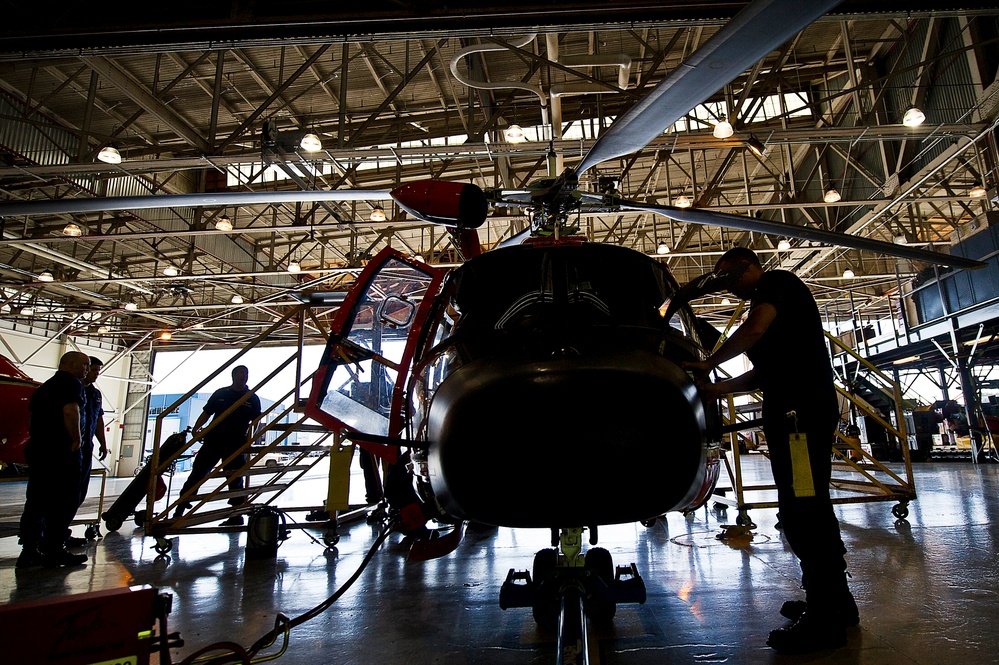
40 358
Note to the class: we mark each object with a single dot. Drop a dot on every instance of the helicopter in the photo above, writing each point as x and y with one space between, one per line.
423 364
15 391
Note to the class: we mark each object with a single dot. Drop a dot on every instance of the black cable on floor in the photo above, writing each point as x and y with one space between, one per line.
236 654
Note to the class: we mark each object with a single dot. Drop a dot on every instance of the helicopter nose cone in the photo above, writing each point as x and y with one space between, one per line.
599 439
442 202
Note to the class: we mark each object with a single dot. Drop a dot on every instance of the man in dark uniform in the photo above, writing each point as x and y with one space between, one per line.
224 437
784 339
93 427
53 454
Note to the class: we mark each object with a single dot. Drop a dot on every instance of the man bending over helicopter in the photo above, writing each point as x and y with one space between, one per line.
783 338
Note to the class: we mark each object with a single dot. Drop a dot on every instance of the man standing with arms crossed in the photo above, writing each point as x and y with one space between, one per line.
53 453
784 339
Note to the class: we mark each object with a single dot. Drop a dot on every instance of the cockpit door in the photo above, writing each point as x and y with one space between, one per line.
360 384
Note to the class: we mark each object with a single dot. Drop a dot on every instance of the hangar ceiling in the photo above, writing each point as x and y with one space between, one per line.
407 92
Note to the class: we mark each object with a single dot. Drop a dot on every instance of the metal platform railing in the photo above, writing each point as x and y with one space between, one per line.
209 498
857 475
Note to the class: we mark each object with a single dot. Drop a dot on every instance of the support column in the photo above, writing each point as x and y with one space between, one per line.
136 410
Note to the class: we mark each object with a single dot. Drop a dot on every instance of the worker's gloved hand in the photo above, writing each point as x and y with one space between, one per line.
699 368
710 392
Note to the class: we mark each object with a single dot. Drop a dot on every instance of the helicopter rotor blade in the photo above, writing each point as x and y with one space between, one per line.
754 32
711 218
218 200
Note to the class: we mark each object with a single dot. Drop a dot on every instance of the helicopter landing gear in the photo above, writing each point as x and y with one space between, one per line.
163 546
566 587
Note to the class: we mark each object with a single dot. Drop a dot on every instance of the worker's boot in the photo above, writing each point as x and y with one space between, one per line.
811 632
61 557
29 557
845 608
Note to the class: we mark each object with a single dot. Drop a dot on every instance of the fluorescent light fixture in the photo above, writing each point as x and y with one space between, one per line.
377 214
977 191
45 276
109 155
224 223
294 267
756 146
236 299
72 230
171 271
849 274
662 249
783 245
722 130
514 134
682 202
913 117
131 306
831 195
311 143
166 336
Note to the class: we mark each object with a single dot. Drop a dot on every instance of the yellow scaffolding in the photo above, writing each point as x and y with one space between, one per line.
857 476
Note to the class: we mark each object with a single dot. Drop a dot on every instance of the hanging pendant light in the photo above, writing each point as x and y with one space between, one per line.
311 143
109 155
224 223
977 191
682 202
45 276
73 230
783 245
723 129
849 274
294 267
831 195
662 249
171 271
514 134
377 214
236 299
913 117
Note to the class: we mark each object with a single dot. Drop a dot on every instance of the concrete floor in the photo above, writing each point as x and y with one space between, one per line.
927 588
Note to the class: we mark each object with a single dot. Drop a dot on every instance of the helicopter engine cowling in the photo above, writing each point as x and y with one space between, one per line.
519 443
454 204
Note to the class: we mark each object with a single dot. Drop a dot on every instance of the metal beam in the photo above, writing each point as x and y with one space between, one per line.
138 94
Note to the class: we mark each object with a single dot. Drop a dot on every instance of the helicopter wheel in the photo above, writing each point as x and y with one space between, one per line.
600 604
742 519
330 539
900 510
545 562
92 532
163 546
598 561
140 519
649 523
